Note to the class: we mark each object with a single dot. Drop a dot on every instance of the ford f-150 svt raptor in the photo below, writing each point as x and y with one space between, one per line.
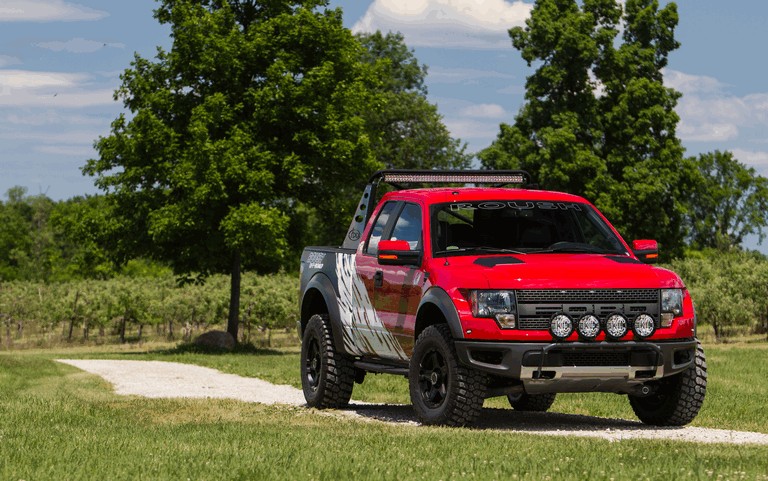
490 290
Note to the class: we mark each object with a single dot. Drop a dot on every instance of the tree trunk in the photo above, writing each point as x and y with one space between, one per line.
234 297
8 340
74 316
716 328
122 329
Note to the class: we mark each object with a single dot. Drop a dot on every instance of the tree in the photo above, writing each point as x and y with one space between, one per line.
27 247
649 176
597 120
557 130
255 111
406 130
728 202
78 224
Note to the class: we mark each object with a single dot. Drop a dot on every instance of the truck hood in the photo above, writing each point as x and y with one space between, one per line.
557 271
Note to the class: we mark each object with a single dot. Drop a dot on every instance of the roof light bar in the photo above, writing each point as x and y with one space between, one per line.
501 177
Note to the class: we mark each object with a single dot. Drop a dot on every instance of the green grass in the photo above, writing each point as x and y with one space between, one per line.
57 422
736 390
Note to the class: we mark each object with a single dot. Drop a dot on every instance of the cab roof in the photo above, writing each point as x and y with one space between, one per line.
468 194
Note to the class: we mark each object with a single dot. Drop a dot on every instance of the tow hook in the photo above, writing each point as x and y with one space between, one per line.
644 390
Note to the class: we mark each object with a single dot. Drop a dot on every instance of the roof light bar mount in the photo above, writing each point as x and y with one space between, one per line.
398 177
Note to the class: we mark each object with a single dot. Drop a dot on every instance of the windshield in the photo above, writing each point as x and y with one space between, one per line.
521 227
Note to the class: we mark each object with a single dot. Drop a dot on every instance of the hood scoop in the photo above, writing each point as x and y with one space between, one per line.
497 261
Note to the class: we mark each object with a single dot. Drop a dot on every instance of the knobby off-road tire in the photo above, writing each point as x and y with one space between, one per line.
327 375
678 398
531 402
442 391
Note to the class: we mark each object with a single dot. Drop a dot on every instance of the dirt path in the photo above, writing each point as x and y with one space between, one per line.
157 379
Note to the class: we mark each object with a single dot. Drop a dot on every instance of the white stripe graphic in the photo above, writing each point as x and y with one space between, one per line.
364 333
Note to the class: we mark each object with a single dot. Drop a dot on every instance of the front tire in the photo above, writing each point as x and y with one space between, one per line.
327 375
442 391
678 398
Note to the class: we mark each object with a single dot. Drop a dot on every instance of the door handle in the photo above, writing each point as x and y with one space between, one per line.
378 279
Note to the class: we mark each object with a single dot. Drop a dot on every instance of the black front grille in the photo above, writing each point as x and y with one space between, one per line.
536 307
588 295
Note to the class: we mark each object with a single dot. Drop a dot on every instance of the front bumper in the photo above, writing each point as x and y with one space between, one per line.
578 366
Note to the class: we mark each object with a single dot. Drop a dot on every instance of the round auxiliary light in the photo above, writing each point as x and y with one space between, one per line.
588 326
644 326
560 326
616 326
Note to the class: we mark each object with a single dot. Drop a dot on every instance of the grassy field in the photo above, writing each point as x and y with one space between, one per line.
60 423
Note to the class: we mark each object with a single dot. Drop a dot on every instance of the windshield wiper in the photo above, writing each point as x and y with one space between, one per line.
573 247
486 249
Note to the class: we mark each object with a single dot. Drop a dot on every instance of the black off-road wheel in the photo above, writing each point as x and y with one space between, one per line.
531 402
442 391
327 375
677 399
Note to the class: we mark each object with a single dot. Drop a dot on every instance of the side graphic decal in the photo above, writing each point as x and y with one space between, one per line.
364 333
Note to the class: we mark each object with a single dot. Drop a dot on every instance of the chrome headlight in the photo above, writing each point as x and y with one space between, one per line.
499 305
671 305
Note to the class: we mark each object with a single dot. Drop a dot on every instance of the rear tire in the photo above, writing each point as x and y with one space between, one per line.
531 402
327 375
443 392
678 398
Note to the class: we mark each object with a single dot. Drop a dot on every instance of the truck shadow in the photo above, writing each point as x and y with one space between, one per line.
507 419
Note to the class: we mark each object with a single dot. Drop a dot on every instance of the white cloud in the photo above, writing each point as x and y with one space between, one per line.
758 160
6 60
485 111
78 45
24 88
70 138
708 113
51 117
478 24
46 11
699 131
480 133
692 84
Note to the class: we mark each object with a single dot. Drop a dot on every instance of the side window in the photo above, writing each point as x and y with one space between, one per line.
408 226
378 228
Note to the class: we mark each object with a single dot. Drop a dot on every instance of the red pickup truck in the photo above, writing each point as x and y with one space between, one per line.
495 289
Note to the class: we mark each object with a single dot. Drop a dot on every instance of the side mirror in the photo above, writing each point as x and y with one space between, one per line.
646 250
397 253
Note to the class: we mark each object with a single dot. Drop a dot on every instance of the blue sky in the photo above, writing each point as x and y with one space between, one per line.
60 63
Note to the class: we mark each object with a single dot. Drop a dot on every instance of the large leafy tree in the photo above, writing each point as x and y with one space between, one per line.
728 202
406 129
253 113
649 178
597 119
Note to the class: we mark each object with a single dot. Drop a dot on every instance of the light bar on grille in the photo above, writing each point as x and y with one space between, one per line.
501 177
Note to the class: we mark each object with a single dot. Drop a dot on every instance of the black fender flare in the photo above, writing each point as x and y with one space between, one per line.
322 284
437 297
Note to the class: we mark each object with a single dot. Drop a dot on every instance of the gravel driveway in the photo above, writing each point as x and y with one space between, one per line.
157 379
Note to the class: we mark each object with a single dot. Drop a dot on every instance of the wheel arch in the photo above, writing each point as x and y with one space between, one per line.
436 307
319 297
